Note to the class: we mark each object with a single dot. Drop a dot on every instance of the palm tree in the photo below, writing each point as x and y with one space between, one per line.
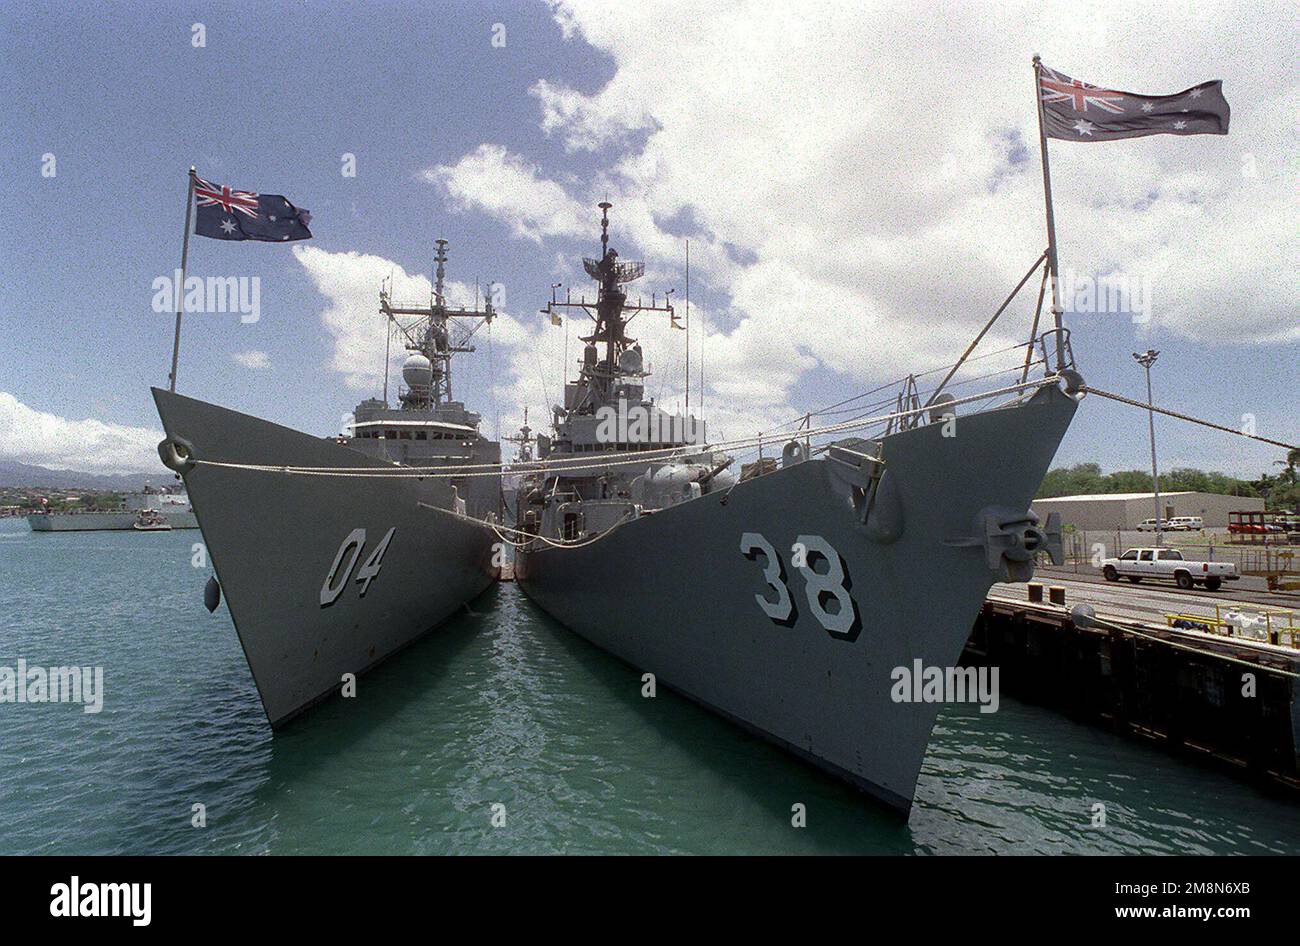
1292 460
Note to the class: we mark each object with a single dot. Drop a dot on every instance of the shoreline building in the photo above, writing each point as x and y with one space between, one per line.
1126 510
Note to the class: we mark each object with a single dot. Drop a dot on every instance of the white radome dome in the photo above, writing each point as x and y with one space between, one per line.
417 372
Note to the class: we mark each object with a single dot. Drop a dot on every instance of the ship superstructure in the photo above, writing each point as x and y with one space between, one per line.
607 416
428 427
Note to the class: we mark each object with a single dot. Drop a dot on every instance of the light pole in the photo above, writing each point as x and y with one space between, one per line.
1146 360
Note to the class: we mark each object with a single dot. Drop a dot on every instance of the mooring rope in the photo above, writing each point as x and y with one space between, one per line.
497 527
1187 417
599 461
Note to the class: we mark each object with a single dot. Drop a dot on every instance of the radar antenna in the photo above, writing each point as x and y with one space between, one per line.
524 440
611 312
435 331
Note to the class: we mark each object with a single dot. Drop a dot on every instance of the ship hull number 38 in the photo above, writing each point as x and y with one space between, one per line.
825 579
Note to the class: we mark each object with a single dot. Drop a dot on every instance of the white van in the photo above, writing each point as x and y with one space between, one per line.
1186 524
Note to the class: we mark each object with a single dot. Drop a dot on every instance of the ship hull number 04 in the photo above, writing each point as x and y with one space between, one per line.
336 579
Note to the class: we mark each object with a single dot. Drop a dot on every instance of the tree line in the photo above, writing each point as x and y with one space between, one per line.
1280 490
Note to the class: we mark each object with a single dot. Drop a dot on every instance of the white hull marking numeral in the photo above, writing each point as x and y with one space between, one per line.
336 579
782 610
834 582
367 572
820 587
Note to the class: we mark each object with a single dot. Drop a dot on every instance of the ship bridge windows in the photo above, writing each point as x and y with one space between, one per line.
624 447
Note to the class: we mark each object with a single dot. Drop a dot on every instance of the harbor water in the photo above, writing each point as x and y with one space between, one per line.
503 733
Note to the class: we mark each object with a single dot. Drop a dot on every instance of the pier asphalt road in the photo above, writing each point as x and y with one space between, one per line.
1149 600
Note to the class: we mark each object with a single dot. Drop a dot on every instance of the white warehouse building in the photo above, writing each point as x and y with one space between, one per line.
1126 510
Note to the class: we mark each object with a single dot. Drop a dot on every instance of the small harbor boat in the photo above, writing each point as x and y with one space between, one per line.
151 520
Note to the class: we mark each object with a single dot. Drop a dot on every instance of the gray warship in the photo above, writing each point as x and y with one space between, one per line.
172 504
786 597
333 553
523 459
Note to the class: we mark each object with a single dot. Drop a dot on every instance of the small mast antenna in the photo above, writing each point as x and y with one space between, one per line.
700 396
388 331
388 352
441 258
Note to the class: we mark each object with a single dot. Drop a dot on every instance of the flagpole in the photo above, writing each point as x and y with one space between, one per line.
180 289
1051 218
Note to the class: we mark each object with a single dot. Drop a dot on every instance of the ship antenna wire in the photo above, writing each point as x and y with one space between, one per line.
388 347
688 328
701 394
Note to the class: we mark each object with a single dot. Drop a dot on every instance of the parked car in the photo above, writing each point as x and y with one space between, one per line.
1186 524
1149 525
1244 526
1136 564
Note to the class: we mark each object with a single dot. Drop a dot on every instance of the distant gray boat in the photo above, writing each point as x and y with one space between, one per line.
785 599
173 505
334 565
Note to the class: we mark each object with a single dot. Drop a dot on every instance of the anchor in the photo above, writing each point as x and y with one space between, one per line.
1011 539
858 471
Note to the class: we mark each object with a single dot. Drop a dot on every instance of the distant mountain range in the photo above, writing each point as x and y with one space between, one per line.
13 473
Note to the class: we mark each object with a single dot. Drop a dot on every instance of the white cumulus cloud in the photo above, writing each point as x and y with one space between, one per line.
31 436
503 185
351 281
253 359
861 183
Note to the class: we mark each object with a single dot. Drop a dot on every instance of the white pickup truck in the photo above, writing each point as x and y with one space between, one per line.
1136 564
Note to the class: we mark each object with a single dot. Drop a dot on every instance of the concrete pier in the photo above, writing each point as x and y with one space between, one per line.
1232 701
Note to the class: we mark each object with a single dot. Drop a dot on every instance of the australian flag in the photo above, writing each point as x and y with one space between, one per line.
1077 111
226 214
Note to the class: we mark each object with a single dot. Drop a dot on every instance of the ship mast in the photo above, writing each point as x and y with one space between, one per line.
435 331
610 314
524 440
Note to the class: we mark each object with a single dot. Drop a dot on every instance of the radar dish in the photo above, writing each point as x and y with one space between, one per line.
623 272
629 362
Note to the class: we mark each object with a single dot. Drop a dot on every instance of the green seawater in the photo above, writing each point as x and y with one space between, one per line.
503 707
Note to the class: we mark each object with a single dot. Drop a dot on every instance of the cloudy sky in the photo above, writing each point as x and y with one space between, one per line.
860 185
